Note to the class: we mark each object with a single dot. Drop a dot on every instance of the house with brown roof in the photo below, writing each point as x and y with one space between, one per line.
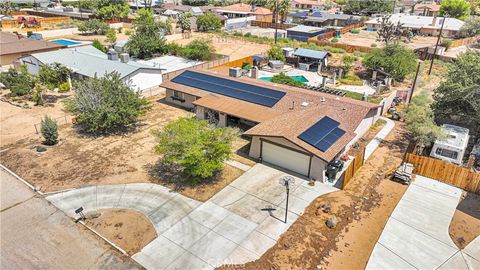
308 4
13 47
427 9
293 128
241 10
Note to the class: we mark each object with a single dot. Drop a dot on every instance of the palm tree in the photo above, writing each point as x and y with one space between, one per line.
283 7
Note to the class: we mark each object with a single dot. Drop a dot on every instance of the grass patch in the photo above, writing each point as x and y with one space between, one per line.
352 80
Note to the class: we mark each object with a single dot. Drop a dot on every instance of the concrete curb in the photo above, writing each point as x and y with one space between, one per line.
25 182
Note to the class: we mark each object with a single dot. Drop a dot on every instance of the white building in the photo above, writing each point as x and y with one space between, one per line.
452 148
87 61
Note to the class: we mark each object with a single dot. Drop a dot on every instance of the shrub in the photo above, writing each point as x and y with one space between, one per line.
94 26
106 104
208 22
64 87
351 80
276 53
348 61
19 83
373 45
248 34
128 32
284 79
446 43
237 34
196 145
393 59
334 40
97 44
49 130
198 49
355 31
52 75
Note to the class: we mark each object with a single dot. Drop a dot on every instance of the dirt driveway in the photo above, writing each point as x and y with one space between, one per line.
36 235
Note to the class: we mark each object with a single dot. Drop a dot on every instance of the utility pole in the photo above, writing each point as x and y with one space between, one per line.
436 45
414 82
276 21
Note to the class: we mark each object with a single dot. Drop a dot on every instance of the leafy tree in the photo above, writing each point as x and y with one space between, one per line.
369 7
276 53
348 61
52 75
195 2
459 9
19 83
49 129
208 22
475 7
393 32
93 26
97 44
106 104
393 59
196 145
111 36
113 10
419 121
284 79
199 49
147 38
184 22
7 7
459 94
471 27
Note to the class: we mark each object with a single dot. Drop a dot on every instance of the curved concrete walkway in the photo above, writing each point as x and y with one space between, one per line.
416 235
230 228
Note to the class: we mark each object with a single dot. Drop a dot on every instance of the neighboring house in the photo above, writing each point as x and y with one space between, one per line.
13 47
297 129
421 24
195 11
451 149
245 10
303 32
88 62
426 9
324 19
307 4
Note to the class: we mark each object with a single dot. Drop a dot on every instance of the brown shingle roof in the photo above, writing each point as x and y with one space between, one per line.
431 7
242 7
10 44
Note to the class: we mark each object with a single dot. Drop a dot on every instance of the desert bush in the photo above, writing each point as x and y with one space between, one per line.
19 83
49 130
64 87
334 40
284 79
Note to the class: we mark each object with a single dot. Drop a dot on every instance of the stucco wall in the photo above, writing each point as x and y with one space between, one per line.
144 79
317 168
364 126
186 104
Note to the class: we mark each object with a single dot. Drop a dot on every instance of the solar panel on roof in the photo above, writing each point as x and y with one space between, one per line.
322 134
231 88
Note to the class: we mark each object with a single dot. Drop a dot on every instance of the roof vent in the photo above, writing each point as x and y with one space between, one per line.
112 55
304 104
322 99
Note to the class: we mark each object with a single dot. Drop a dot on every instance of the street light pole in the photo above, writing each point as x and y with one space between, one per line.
436 45
286 181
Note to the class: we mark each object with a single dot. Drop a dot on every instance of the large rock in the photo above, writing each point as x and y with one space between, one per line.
40 148
331 222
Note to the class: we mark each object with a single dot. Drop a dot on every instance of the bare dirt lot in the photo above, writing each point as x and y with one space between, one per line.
235 48
367 38
130 230
362 211
465 224
17 123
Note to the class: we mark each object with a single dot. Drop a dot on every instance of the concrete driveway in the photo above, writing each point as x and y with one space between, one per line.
232 227
416 234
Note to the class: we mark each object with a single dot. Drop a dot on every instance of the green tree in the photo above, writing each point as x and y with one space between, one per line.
106 104
369 7
7 7
111 36
147 38
113 10
49 129
99 46
184 22
471 27
208 22
195 2
283 7
276 53
347 62
284 79
196 145
419 121
393 59
93 26
199 49
19 83
52 75
459 9
459 94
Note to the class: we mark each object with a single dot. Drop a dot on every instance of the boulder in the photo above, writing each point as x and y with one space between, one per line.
331 222
40 148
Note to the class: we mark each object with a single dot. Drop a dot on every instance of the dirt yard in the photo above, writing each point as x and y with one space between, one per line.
130 230
235 48
465 224
362 211
17 123
367 38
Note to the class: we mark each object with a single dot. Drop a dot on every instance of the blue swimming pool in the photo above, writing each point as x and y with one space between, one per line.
300 78
66 42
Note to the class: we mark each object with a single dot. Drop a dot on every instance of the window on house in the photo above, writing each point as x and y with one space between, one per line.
178 94
446 153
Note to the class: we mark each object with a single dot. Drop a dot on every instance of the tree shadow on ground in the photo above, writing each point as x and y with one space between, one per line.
470 205
48 98
173 176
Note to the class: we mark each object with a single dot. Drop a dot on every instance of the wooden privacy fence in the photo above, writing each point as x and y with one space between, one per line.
348 48
446 172
238 62
465 41
207 65
353 167
331 34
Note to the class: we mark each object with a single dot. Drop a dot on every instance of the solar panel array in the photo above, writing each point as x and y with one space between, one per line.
322 134
231 88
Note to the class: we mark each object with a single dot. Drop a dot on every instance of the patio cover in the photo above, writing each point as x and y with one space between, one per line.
307 53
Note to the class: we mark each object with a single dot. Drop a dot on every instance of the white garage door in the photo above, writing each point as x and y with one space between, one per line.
285 158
